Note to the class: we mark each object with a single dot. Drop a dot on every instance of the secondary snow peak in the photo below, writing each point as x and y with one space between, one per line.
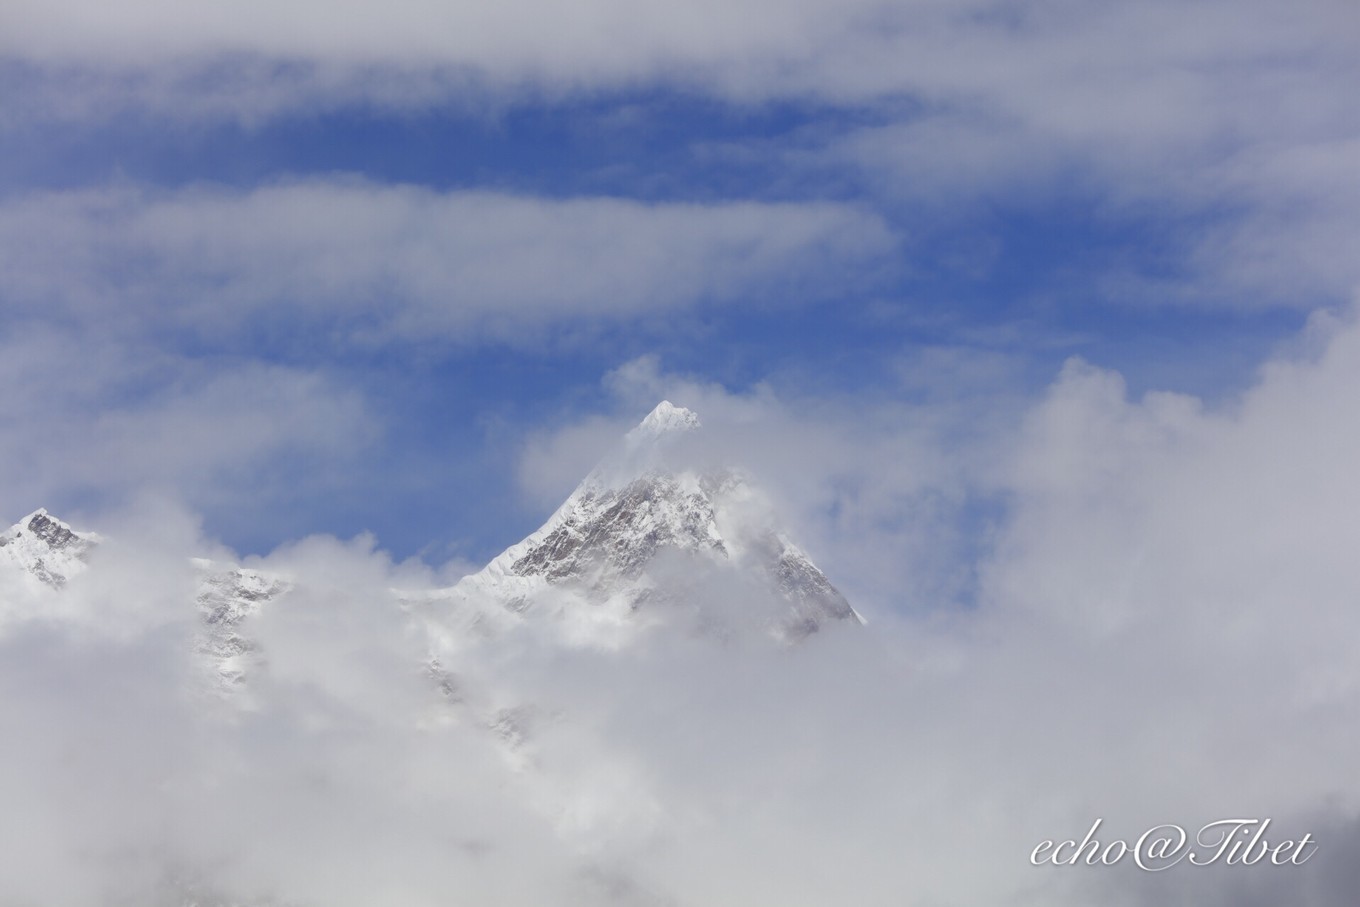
46 549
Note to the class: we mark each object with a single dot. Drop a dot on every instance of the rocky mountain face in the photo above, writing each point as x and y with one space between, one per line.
44 550
227 597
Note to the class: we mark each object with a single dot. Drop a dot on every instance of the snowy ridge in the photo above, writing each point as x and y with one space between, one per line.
228 595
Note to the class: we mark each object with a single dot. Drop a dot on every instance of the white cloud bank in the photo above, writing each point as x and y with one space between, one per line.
1164 633
1163 625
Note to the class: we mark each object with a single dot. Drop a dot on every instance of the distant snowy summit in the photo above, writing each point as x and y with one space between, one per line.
647 539
45 550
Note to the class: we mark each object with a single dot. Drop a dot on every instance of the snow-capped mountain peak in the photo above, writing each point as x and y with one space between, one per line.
46 549
645 536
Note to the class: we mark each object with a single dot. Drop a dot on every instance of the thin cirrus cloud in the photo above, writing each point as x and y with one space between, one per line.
401 262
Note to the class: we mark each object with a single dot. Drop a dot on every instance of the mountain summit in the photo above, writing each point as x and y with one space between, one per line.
643 539
45 549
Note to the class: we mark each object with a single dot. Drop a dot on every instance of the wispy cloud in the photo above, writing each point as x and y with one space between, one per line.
96 420
356 260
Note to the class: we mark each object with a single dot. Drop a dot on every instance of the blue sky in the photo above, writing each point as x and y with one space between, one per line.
346 273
